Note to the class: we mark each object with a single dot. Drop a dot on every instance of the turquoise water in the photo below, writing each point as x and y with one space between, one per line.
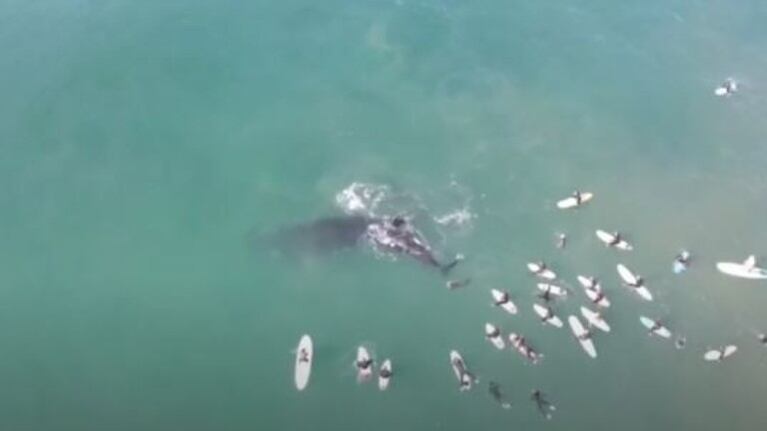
142 143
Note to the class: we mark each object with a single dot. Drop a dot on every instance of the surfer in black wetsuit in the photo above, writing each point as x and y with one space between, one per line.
364 365
543 405
495 390
578 197
496 332
504 299
303 355
385 373
616 239
546 296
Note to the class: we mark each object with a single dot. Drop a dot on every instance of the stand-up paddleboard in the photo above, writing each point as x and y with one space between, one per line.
552 289
598 298
727 88
493 334
503 299
655 327
465 379
582 335
595 319
541 270
384 375
634 281
363 364
304 357
575 200
614 240
747 269
547 315
520 345
721 353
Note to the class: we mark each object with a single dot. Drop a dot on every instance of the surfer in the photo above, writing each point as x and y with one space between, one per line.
503 299
546 296
365 364
495 332
680 342
303 355
385 373
495 390
616 239
466 377
656 324
762 338
681 261
561 240
544 406
578 197
549 314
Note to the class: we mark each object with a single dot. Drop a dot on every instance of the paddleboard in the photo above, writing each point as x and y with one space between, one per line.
363 374
384 375
552 288
747 269
650 325
720 354
547 315
634 281
304 357
465 379
540 269
503 300
582 335
609 238
572 202
597 297
493 334
595 319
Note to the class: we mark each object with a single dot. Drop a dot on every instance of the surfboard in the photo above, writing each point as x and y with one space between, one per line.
598 298
493 334
720 354
363 374
582 335
589 282
608 238
595 319
728 88
571 202
383 382
632 280
547 315
507 305
541 270
523 348
553 289
747 269
303 369
460 371
650 323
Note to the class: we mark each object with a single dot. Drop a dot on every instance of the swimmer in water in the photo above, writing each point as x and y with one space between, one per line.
457 284
561 241
495 390
543 405
680 342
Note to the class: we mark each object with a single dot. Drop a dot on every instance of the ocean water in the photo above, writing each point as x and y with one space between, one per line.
144 144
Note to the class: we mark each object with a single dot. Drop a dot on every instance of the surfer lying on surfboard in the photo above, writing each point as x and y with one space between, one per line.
544 406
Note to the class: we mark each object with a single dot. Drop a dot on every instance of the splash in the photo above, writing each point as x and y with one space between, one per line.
362 198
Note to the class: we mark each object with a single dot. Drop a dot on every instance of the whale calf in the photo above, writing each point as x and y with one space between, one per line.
394 235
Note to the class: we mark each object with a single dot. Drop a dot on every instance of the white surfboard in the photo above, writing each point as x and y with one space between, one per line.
747 269
595 319
520 345
465 379
547 315
582 335
503 300
573 202
493 334
610 240
655 327
552 289
304 357
384 375
541 270
598 298
589 282
721 353
363 374
634 281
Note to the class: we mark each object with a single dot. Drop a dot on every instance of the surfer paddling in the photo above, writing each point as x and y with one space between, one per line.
544 406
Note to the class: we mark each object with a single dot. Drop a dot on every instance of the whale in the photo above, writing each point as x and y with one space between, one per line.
394 235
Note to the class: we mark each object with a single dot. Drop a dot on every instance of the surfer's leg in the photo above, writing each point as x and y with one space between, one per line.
449 267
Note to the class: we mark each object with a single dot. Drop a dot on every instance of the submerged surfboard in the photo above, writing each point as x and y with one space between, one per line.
383 381
363 374
493 334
